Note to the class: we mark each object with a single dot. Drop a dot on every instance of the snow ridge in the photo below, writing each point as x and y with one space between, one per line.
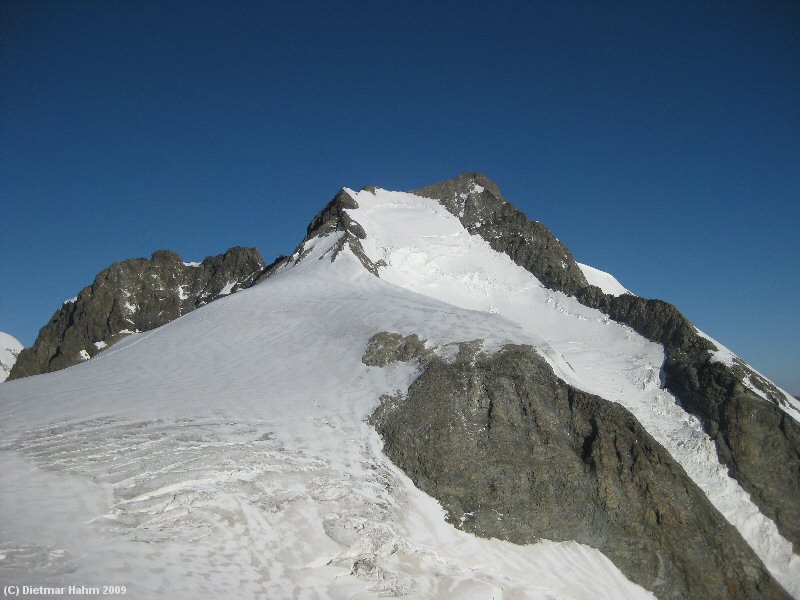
605 281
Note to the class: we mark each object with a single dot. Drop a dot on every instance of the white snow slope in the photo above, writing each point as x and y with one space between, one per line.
10 347
605 281
226 453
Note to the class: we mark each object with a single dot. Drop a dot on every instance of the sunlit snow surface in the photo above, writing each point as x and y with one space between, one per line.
226 453
605 281
10 347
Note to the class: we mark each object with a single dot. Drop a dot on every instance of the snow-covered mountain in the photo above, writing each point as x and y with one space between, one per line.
430 398
10 347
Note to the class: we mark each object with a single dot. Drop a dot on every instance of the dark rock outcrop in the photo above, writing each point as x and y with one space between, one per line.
512 452
134 295
481 208
755 438
334 218
385 348
654 319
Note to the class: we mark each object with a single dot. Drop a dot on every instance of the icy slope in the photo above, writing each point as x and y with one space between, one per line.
426 249
10 347
605 281
225 453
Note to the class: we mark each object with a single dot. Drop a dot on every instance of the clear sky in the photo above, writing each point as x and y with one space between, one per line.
660 141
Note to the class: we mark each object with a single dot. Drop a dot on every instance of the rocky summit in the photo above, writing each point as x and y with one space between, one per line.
132 296
429 398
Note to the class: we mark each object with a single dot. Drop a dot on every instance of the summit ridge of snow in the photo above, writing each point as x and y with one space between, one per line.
605 281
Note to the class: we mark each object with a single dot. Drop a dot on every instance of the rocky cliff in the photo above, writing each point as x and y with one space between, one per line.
754 437
132 296
514 453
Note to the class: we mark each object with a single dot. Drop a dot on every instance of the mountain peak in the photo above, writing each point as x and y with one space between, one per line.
602 419
470 183
165 256
477 202
134 295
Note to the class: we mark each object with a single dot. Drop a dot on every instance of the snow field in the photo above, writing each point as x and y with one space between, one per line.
605 281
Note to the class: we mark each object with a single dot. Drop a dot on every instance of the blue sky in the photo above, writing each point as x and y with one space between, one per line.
660 141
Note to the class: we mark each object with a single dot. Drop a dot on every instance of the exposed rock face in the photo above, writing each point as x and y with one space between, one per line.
480 206
134 295
512 452
754 438
335 218
385 348
654 319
